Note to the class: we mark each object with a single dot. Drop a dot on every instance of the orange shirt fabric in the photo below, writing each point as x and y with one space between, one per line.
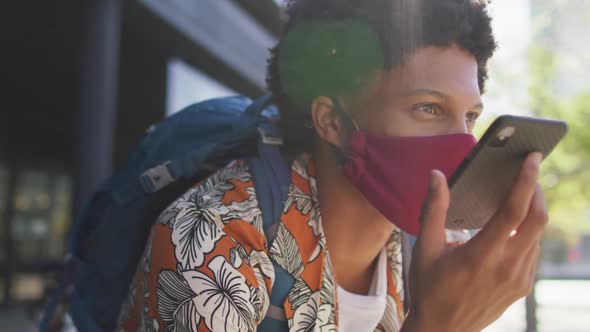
207 265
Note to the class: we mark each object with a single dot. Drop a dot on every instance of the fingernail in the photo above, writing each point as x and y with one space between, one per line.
434 180
538 158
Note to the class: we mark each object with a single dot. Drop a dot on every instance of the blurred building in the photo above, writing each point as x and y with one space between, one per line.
507 89
585 250
561 31
561 27
81 81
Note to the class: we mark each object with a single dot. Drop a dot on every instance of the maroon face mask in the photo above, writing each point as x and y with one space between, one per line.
393 173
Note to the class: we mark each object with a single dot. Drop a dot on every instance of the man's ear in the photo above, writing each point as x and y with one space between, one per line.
326 121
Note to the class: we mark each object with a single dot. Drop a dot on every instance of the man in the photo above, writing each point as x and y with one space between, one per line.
365 89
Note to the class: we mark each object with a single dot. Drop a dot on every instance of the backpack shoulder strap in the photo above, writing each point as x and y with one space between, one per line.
271 174
272 178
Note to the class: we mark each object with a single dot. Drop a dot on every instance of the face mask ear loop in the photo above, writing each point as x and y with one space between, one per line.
350 125
348 121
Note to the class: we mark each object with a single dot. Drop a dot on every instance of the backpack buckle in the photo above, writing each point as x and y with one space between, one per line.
268 137
156 178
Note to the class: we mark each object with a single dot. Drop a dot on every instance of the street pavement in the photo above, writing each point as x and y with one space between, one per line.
563 306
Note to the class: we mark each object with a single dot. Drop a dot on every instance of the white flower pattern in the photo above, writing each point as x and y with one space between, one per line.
221 275
284 251
194 235
312 317
262 269
225 300
176 304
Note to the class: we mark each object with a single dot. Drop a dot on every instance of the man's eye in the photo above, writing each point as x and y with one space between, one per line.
429 108
472 117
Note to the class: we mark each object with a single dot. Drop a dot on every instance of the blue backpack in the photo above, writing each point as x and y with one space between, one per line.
108 238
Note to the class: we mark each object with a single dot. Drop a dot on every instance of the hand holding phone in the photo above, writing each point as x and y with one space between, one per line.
483 181
492 270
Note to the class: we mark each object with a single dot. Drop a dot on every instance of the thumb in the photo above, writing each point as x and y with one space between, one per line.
431 240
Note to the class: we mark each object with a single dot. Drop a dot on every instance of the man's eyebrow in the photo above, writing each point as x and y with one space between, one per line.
438 94
421 92
479 107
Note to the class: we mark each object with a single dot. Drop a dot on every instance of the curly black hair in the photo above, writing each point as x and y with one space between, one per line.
400 26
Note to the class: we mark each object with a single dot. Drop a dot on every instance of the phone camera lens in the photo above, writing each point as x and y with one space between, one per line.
503 137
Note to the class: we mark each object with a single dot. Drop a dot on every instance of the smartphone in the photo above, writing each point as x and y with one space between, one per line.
484 179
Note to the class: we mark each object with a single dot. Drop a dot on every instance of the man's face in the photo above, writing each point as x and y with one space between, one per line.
434 92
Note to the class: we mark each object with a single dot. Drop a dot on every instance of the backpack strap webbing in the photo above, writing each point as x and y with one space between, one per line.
272 178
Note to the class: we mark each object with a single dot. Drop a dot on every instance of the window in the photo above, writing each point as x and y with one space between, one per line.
187 85
41 219
3 199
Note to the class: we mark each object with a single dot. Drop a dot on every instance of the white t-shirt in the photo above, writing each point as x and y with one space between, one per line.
359 313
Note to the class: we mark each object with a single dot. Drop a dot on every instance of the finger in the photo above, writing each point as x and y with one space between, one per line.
532 265
531 230
535 258
431 239
515 209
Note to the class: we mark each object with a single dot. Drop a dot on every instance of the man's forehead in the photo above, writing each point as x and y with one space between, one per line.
443 70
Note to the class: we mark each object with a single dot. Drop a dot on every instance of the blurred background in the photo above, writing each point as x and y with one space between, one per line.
82 81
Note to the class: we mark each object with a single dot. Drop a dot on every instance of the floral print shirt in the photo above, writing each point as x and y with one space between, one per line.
207 266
